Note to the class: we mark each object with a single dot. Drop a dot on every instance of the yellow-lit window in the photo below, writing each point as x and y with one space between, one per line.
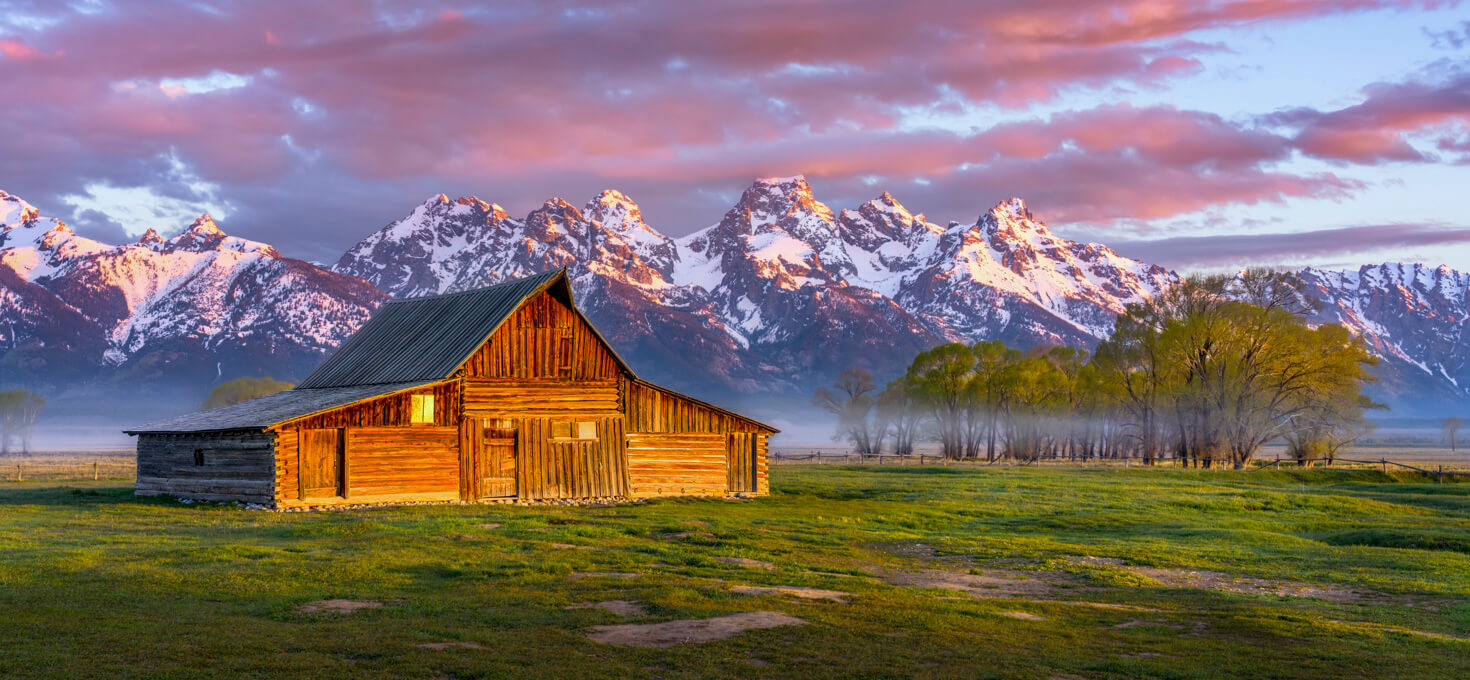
566 429
421 409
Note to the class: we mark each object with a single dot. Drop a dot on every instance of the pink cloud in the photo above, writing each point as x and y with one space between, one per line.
1382 126
384 93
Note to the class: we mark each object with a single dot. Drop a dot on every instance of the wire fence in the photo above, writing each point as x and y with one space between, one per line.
820 457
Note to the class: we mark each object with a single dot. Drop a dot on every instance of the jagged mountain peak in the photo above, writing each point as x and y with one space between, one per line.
15 211
205 224
149 239
202 304
1012 220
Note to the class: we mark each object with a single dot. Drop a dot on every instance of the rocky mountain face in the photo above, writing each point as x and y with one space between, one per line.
783 292
1415 319
195 308
776 298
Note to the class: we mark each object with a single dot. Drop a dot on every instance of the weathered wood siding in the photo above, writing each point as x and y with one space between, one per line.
513 398
740 462
552 468
236 466
387 411
403 463
288 465
650 409
677 463
762 460
543 339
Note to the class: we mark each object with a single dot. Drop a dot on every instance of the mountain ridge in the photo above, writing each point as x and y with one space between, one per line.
776 297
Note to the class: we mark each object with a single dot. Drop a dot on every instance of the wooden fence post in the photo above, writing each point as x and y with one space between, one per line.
19 474
94 472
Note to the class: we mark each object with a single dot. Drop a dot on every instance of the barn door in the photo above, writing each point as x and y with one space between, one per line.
321 463
498 463
740 463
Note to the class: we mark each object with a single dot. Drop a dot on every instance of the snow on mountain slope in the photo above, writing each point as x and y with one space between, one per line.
1413 317
200 301
785 288
779 295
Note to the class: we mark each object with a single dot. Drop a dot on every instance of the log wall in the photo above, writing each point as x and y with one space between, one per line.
236 466
398 462
388 411
677 464
513 398
544 339
762 464
650 409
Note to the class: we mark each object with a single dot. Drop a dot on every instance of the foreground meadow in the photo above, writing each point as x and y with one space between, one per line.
870 572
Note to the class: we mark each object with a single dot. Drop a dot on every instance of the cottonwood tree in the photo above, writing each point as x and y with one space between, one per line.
851 400
897 413
19 410
243 389
940 381
1451 428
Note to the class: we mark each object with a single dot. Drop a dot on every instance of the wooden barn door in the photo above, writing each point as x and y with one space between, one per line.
740 463
321 463
498 463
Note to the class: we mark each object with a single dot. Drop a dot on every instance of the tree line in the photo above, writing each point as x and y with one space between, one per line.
1207 372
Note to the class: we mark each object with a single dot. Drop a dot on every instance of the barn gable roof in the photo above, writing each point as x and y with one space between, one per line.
263 412
429 338
408 343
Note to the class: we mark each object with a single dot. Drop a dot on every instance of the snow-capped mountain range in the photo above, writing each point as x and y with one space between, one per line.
196 307
778 296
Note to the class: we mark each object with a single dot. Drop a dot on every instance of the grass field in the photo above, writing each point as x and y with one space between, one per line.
933 572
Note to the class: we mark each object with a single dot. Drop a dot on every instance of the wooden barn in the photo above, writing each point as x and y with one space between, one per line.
497 393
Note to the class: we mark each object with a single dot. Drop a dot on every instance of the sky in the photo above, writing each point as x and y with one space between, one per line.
1199 134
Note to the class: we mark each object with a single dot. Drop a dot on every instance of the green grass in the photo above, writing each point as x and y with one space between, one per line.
97 583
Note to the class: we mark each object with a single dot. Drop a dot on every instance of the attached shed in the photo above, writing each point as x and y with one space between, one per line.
501 392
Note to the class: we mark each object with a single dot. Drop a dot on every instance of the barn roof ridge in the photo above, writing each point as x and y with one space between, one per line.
429 338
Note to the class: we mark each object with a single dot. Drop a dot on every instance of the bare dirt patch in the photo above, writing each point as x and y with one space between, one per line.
488 526
604 574
1215 580
983 582
1023 616
687 631
747 563
1385 628
619 607
446 646
337 606
570 546
685 535
794 591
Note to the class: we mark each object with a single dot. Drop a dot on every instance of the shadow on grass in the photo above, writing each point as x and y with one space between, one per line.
76 495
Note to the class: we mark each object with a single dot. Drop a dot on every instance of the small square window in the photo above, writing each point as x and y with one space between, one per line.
421 408
585 429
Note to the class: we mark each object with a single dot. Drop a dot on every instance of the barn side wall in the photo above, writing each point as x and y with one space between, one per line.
386 457
235 466
678 446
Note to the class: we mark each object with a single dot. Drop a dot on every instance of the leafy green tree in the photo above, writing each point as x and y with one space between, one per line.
989 390
941 382
243 389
